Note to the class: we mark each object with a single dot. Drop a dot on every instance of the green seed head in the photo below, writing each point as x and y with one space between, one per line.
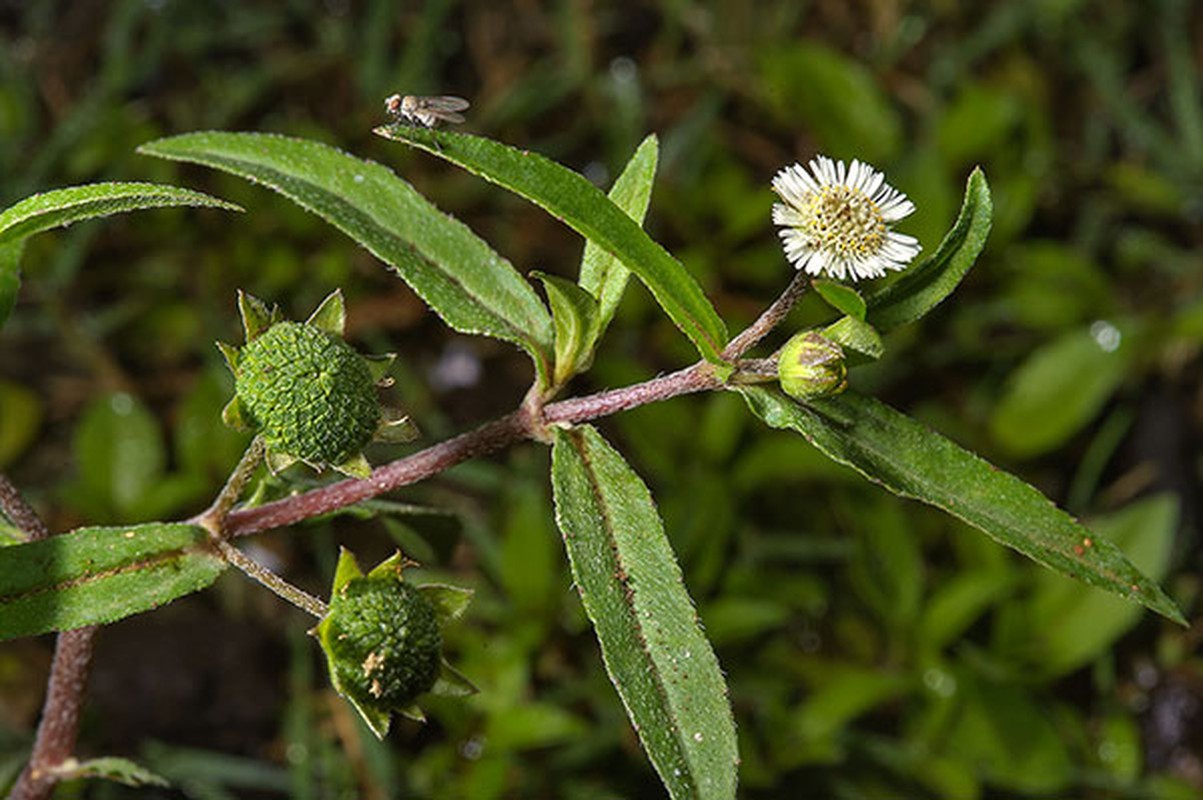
383 640
307 393
811 365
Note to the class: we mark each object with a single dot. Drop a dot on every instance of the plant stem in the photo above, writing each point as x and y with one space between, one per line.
59 726
20 513
213 519
489 437
515 427
769 319
298 597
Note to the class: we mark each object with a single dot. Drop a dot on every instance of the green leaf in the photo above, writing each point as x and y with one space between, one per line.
93 576
449 602
120 456
118 770
570 197
959 601
575 314
456 272
1059 388
1070 625
842 694
346 570
856 335
836 97
841 298
1010 737
603 275
923 286
632 590
893 450
61 207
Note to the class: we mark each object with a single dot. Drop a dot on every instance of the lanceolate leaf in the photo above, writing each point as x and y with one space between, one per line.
41 212
632 590
464 280
922 287
603 275
573 199
893 450
118 770
97 575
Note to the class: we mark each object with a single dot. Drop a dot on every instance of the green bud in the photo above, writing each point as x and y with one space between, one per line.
811 365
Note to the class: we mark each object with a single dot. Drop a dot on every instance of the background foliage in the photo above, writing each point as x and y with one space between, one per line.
874 648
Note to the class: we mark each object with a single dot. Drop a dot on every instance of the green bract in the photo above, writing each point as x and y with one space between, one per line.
383 640
308 394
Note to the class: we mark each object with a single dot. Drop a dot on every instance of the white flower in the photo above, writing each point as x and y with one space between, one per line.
837 221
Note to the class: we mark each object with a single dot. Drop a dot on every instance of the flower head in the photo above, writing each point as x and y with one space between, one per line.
308 394
836 220
383 640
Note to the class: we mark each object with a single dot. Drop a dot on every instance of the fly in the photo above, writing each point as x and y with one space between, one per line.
425 111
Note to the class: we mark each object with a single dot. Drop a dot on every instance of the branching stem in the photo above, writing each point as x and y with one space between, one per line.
518 426
58 729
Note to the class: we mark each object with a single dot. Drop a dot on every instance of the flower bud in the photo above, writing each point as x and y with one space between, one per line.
811 365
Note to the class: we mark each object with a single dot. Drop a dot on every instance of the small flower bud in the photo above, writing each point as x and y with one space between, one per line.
811 365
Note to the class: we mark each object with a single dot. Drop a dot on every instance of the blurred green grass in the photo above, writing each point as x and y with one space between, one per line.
874 648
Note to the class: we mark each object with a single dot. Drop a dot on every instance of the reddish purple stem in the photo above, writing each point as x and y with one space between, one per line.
508 430
59 726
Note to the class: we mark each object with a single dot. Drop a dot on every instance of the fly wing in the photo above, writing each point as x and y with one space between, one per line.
446 106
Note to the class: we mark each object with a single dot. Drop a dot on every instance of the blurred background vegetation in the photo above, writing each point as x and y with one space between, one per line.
875 648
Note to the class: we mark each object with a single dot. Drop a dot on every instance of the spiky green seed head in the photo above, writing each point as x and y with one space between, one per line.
308 393
383 641
811 365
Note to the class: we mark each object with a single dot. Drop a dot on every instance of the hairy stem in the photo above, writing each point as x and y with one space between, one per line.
431 461
517 426
59 726
282 588
20 513
769 319
213 519
488 438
